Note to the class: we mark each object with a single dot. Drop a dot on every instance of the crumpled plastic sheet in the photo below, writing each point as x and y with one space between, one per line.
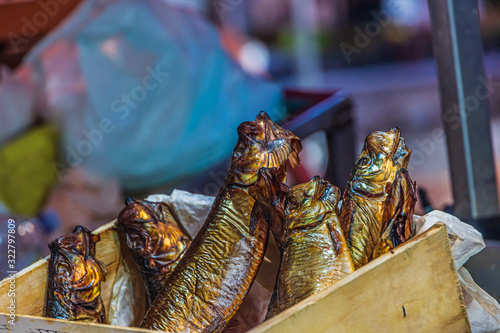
190 209
465 241
128 304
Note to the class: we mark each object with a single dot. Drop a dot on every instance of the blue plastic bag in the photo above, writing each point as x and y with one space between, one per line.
142 91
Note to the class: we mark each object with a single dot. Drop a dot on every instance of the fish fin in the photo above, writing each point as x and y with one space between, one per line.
384 243
269 193
293 158
346 213
280 174
402 155
129 200
255 216
388 187
338 238
339 241
399 207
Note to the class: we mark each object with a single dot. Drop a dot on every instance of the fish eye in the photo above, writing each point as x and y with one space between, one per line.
63 269
240 151
134 240
142 215
363 161
292 205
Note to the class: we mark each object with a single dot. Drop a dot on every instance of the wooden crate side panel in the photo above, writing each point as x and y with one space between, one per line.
415 289
24 324
420 276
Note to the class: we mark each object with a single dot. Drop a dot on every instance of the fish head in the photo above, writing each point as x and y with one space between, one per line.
307 204
261 144
151 233
383 154
76 272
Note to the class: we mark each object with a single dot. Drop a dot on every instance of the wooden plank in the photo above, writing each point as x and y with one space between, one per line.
30 324
413 289
420 276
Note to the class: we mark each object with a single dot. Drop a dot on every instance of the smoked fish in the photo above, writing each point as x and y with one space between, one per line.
399 207
155 239
74 279
367 199
212 279
315 254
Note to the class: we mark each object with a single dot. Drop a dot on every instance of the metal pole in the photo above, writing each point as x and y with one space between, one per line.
465 107
306 48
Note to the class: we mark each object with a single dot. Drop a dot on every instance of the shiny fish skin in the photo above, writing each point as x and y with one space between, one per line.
74 279
155 239
315 254
364 206
212 279
398 213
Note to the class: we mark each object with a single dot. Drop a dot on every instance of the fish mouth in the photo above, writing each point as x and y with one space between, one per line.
324 191
317 189
132 221
388 145
281 144
168 257
307 204
261 144
152 237
139 210
80 242
301 223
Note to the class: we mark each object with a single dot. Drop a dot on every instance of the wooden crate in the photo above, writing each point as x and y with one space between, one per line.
413 289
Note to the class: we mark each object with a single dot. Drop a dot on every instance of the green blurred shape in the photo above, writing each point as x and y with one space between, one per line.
27 170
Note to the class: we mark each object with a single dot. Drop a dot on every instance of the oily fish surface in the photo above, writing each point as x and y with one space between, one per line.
316 253
362 214
212 279
155 239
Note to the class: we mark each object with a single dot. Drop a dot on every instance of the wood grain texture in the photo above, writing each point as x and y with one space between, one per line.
49 325
413 289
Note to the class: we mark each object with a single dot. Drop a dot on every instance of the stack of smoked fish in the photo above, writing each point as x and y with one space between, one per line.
199 285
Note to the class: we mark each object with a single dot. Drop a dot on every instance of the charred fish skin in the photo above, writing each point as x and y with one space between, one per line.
74 279
211 280
315 255
364 199
155 239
